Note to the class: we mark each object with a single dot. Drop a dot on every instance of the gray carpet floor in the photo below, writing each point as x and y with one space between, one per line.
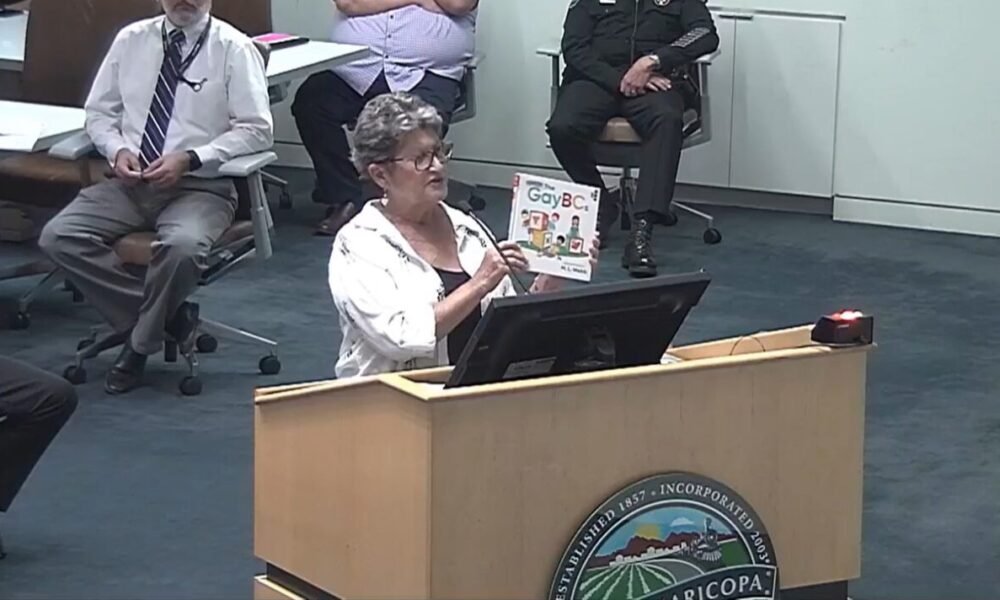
149 495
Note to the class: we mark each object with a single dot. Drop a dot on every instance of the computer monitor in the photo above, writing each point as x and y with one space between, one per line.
590 328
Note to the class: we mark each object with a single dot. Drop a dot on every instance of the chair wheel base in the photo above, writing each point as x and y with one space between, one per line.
75 375
207 344
190 386
270 365
19 321
712 236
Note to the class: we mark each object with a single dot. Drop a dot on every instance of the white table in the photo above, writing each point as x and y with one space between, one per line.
13 28
298 62
287 64
58 122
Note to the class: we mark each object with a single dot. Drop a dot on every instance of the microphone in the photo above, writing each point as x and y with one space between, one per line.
496 246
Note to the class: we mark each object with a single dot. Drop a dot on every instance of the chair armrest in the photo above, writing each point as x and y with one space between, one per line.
244 166
477 59
708 59
553 51
72 148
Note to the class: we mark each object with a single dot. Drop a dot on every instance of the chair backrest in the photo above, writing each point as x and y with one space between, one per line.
252 17
66 41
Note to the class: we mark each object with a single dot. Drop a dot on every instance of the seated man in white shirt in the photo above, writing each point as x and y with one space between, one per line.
176 96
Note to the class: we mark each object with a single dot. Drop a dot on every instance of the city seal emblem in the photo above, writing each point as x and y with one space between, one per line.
662 2
676 536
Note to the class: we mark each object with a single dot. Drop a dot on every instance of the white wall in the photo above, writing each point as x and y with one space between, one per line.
512 89
917 122
918 118
314 19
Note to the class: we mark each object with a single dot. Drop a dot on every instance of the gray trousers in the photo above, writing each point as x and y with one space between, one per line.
188 219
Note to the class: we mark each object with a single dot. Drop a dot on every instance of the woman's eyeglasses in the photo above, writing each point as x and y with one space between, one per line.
424 161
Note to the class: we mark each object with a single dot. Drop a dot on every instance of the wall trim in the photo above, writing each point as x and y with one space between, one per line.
908 215
501 175
740 198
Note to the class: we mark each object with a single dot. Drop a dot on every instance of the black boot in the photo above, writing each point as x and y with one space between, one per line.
126 374
638 256
607 215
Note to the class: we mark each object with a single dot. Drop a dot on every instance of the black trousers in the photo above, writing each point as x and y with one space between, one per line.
34 406
582 110
326 103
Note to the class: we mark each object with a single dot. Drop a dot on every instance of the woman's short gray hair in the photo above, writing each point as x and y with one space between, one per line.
383 124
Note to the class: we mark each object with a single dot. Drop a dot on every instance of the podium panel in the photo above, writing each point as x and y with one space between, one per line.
394 487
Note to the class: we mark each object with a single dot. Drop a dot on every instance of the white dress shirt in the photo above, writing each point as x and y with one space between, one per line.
229 117
385 293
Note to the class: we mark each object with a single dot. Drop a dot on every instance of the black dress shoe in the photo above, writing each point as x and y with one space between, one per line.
335 219
184 323
638 256
126 374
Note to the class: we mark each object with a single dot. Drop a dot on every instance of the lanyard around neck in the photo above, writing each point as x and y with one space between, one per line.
198 45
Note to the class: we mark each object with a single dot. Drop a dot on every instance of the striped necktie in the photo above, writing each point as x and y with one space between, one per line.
162 106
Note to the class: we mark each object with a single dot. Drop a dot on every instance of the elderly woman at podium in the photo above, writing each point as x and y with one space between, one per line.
410 276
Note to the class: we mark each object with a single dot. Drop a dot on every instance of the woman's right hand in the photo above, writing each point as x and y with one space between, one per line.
493 268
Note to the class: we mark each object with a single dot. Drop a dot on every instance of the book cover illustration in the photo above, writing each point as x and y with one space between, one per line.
555 223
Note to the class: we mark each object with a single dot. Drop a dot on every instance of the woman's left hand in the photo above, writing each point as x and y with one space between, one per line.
549 283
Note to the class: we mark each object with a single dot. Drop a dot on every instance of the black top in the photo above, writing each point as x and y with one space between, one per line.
459 336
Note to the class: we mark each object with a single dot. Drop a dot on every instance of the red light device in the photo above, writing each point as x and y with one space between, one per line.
844 328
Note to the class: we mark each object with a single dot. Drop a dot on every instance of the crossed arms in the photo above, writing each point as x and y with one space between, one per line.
578 50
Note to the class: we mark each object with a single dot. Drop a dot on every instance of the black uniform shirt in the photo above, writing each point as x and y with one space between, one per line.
601 40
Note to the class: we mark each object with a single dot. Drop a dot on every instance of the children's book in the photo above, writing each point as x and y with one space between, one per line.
555 223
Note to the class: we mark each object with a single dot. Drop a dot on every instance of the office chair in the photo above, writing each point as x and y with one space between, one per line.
249 237
60 72
619 144
253 17
463 195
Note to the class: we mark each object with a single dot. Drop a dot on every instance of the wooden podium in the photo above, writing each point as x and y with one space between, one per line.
392 487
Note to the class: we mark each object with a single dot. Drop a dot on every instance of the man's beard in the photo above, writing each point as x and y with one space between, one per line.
184 17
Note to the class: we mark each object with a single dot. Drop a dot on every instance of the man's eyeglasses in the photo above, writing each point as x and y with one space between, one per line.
424 161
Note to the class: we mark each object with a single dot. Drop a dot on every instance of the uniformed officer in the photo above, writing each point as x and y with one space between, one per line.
626 58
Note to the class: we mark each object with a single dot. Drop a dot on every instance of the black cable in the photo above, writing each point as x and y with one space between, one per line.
496 245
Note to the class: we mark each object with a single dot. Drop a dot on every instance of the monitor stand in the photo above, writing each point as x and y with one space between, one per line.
598 352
